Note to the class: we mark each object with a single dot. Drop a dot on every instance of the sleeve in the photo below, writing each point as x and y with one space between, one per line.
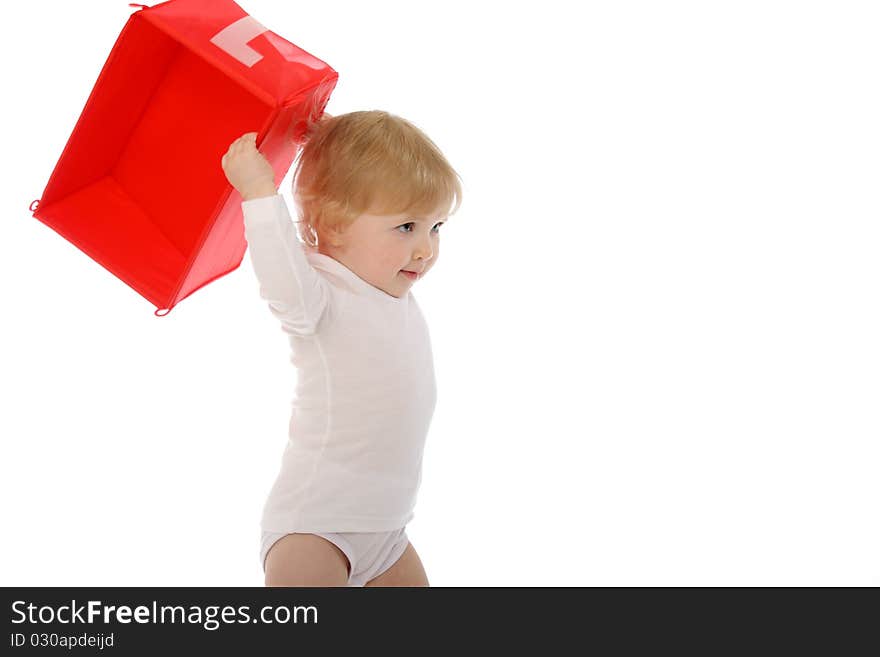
297 295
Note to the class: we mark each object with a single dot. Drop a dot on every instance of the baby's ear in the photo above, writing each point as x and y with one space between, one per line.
330 235
336 236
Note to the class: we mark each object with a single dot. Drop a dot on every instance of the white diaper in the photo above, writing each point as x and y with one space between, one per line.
369 554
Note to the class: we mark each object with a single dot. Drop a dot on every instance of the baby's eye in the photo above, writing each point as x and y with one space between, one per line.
411 224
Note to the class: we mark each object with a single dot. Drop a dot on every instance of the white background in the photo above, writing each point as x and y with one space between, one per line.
655 318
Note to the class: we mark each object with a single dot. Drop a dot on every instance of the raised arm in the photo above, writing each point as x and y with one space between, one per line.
297 295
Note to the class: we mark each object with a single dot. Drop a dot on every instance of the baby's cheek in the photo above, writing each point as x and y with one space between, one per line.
395 259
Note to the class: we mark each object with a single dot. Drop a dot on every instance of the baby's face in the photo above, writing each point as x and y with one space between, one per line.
380 248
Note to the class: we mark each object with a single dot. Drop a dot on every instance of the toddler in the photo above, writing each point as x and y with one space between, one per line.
371 191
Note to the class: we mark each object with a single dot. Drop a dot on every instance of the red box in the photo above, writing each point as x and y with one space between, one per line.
139 187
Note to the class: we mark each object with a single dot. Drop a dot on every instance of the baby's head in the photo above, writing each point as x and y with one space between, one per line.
371 191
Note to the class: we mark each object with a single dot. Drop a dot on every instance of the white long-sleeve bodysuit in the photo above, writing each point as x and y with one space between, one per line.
365 390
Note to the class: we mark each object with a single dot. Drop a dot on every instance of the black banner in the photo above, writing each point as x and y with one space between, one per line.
133 621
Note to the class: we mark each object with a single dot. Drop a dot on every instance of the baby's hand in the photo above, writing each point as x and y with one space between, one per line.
247 169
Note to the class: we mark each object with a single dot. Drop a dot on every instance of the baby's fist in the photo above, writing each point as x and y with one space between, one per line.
247 169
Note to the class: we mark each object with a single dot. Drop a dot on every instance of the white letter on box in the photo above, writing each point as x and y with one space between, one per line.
233 39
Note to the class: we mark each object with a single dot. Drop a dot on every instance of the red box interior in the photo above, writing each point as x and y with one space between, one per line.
140 180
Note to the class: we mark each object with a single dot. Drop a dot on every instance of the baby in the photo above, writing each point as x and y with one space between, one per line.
371 191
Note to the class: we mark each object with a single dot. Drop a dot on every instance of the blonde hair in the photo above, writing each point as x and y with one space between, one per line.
369 162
